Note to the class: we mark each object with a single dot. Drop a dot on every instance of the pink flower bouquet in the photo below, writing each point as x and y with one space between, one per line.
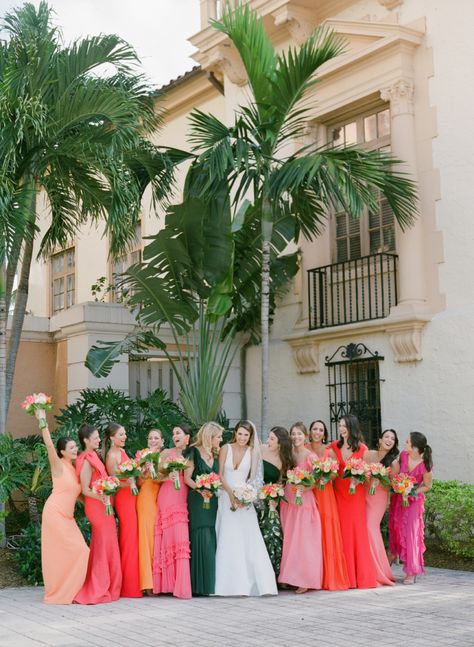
129 470
35 402
272 493
174 463
207 485
405 485
380 473
323 470
147 459
106 487
299 478
358 471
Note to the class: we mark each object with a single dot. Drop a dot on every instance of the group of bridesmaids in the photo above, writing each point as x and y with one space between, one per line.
169 542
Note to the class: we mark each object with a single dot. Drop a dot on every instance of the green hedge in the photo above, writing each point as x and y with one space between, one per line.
449 517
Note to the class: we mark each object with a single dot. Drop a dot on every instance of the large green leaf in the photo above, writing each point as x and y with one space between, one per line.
103 355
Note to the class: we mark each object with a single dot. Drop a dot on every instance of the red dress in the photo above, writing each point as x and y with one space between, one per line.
352 518
104 575
126 509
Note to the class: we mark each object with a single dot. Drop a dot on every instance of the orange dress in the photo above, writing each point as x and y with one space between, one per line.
64 553
335 576
352 517
126 509
146 510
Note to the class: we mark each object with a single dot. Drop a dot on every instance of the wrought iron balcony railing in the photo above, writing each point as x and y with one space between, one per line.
358 290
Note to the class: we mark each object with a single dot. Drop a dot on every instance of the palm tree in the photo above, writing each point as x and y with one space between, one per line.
304 186
75 132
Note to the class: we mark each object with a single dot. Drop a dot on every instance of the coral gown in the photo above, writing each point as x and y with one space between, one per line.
302 555
376 504
335 577
126 509
406 526
104 575
64 553
352 517
146 511
171 571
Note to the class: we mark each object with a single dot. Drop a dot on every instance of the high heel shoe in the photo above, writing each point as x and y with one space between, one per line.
409 579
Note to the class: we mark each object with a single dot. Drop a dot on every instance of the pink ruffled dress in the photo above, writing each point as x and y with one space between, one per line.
171 557
406 526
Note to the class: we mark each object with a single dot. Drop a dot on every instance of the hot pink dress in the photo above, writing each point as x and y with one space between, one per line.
171 556
302 555
375 506
406 526
104 575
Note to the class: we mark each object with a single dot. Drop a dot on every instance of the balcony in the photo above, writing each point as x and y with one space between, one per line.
362 289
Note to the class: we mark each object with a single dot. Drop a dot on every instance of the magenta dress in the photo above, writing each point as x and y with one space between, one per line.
406 526
302 554
375 506
171 555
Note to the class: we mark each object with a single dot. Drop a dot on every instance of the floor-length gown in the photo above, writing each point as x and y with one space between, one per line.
64 553
104 574
352 517
146 512
270 525
171 569
243 566
202 531
375 506
302 556
335 577
406 523
126 509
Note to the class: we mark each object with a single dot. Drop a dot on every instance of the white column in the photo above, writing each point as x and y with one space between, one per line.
410 243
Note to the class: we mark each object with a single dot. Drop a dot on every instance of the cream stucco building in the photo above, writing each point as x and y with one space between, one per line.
377 321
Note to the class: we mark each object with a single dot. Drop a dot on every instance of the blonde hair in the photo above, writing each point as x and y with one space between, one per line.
205 435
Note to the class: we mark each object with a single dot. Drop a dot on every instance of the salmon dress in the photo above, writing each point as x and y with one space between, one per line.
146 511
376 504
352 518
126 509
335 577
302 556
64 553
104 575
171 556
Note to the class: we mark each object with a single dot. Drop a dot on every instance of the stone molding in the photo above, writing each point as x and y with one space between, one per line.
305 355
297 21
390 4
400 94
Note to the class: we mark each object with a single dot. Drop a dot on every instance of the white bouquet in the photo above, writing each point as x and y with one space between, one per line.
245 494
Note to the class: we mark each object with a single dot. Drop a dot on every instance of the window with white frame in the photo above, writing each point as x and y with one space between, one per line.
121 264
374 232
63 280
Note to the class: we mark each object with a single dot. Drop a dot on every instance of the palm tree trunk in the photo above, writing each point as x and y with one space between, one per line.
20 304
3 391
267 227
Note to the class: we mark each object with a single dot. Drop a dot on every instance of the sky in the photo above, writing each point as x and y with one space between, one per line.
158 29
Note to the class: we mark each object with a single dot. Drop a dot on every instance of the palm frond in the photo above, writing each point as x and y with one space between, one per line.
102 356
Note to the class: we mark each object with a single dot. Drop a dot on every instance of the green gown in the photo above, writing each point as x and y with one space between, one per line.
202 531
271 527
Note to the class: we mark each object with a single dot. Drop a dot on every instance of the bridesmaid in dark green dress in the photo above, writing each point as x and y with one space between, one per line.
202 456
277 459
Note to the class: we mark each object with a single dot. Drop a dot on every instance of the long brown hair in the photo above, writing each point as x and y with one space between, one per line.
284 450
110 432
248 426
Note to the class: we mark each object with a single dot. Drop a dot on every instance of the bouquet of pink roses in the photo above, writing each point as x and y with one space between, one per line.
299 478
207 485
273 493
147 459
405 485
107 487
174 463
323 470
358 471
37 401
129 470
381 474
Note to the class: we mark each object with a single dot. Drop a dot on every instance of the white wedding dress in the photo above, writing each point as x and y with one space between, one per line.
243 566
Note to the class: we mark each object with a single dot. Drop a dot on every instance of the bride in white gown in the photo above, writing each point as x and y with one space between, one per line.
243 566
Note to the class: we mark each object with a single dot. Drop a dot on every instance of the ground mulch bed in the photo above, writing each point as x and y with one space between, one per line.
9 575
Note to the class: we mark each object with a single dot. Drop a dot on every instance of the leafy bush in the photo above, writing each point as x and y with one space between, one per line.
449 517
28 553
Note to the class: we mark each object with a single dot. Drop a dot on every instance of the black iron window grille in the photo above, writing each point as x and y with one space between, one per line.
361 289
354 387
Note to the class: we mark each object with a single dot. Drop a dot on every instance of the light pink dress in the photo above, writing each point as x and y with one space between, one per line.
375 507
302 556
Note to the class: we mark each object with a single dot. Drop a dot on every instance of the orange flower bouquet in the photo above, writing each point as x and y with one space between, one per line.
106 487
207 485
358 471
381 474
272 493
405 485
174 463
299 478
147 459
323 470
129 470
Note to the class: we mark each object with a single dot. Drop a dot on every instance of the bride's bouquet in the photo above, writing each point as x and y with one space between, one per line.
245 494
207 485
37 401
272 493
358 471
323 470
405 485
299 478
147 459
174 463
380 473
129 470
107 487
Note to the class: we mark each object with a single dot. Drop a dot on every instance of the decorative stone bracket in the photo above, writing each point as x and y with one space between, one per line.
225 59
405 340
298 22
305 355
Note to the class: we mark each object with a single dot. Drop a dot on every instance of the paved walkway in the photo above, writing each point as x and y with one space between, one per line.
437 611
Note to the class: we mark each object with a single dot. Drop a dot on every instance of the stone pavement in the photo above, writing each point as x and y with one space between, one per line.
437 611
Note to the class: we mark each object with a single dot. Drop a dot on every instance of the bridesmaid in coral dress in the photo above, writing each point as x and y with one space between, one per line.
352 515
335 576
64 553
407 522
302 556
376 504
146 511
126 509
171 569
104 575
